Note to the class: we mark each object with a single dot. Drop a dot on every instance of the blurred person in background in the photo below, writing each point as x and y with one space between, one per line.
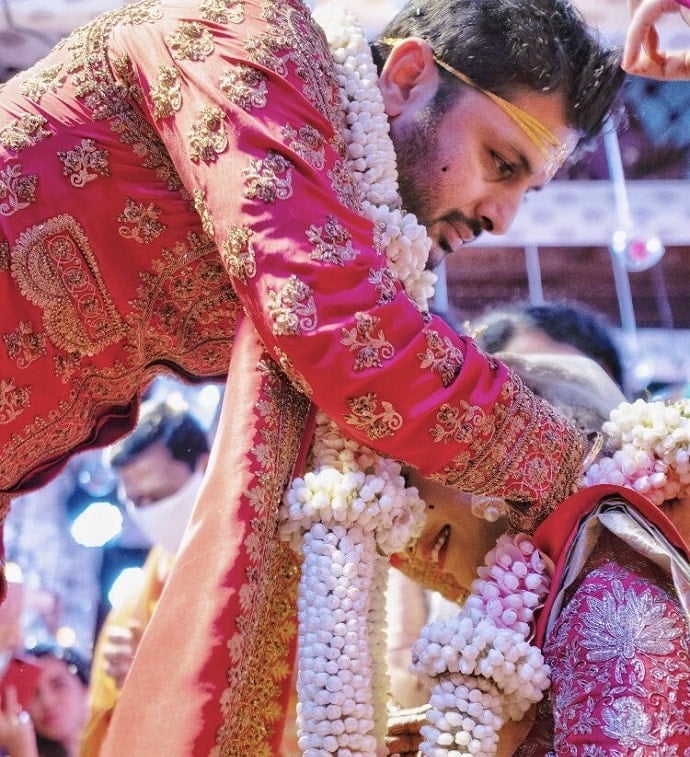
52 724
550 328
160 466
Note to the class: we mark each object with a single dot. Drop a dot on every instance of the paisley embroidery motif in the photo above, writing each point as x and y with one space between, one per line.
56 269
16 191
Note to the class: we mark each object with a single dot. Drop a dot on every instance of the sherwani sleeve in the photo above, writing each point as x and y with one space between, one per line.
249 113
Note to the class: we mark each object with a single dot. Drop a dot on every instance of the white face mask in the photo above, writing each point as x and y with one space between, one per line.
164 522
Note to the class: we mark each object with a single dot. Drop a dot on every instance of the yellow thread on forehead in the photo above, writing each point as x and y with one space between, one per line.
540 135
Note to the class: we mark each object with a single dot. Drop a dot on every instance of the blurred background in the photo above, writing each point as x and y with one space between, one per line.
611 232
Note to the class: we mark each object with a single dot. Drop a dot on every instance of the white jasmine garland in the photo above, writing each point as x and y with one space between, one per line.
480 666
352 510
651 443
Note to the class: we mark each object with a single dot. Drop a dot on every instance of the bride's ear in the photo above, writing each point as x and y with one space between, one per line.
410 76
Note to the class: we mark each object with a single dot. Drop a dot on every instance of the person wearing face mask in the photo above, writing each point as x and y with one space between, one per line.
160 466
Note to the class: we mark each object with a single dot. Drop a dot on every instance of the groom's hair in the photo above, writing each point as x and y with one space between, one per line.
505 46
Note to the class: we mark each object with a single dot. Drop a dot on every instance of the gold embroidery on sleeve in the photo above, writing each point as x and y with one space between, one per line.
263 180
293 309
85 163
345 186
296 378
372 349
191 41
4 255
307 143
332 242
245 86
385 283
166 92
376 420
24 345
238 254
222 11
13 400
208 138
24 132
56 269
441 356
203 211
16 191
142 224
39 83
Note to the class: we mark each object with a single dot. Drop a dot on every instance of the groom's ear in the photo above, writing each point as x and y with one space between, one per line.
410 76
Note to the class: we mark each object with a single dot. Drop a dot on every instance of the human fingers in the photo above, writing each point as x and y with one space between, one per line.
640 51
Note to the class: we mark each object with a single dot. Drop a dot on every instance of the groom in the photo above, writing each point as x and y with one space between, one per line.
178 194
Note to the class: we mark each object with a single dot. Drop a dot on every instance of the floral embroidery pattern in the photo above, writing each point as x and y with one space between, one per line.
142 221
307 143
461 423
441 356
66 366
39 83
191 41
13 400
166 92
245 86
345 185
385 283
237 253
372 349
202 209
222 11
85 163
16 191
208 138
24 345
56 269
332 242
24 132
264 181
375 422
293 309
628 695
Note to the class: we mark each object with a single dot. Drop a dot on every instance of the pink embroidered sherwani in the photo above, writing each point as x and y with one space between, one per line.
174 196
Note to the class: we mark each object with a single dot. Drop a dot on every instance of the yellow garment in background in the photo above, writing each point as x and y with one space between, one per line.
103 693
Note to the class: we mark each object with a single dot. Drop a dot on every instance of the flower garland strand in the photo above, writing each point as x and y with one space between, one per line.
352 509
480 666
651 441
